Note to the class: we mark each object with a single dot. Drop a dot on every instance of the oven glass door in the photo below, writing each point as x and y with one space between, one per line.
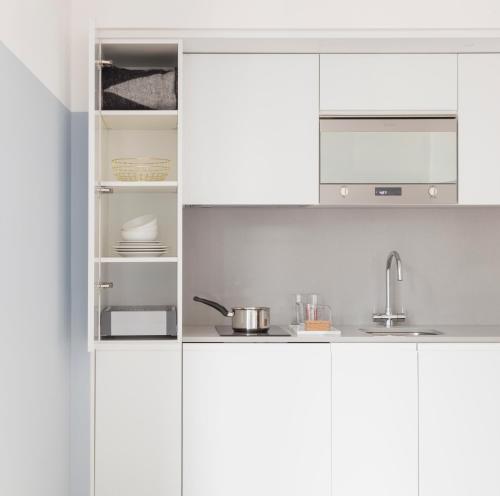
388 150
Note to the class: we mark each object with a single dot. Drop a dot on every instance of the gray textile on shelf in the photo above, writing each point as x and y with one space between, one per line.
125 89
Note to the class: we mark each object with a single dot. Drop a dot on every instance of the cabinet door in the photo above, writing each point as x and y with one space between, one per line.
479 129
256 420
251 129
138 423
459 419
375 424
388 83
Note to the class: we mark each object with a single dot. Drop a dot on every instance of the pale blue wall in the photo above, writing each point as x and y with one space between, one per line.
35 285
80 358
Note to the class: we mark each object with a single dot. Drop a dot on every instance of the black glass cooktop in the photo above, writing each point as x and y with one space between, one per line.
273 331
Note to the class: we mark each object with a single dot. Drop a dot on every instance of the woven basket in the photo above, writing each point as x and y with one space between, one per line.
141 169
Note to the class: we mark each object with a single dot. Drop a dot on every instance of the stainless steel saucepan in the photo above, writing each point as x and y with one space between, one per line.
245 319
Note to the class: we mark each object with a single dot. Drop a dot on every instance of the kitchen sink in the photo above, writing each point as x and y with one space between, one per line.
399 331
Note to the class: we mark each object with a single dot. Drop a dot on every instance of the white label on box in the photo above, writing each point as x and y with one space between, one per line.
136 323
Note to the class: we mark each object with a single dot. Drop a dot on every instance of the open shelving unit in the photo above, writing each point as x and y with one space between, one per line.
116 280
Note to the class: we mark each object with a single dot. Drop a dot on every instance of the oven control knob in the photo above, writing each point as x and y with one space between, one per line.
433 192
344 191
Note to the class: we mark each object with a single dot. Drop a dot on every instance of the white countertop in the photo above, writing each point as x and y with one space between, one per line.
351 334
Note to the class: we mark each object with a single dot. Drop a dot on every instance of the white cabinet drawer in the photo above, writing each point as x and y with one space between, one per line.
388 83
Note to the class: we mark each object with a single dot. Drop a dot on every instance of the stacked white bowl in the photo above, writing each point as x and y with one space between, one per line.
139 238
143 228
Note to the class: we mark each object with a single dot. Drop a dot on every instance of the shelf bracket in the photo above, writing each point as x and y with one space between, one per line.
103 189
104 285
104 63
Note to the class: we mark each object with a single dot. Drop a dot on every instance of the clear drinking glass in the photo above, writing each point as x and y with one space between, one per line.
310 315
305 306
320 318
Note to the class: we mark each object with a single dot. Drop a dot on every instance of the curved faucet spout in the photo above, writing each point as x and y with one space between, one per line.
394 255
388 317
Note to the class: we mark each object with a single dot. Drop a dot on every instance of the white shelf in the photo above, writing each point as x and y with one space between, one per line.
141 186
140 119
137 260
137 344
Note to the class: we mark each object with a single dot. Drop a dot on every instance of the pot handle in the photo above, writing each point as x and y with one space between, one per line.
220 308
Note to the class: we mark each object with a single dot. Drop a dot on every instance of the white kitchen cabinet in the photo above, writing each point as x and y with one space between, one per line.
257 419
375 423
459 419
479 129
251 129
388 83
138 423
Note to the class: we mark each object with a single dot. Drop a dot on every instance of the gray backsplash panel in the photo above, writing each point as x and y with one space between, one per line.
263 256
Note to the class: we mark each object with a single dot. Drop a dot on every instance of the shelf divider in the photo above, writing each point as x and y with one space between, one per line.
137 259
146 120
141 186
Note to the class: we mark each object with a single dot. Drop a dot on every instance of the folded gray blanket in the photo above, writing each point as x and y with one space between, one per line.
139 89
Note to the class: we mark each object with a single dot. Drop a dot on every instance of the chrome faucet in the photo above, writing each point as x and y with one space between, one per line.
388 318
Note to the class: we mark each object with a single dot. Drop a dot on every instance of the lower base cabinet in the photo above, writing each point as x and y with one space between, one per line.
257 419
283 419
459 419
138 423
375 419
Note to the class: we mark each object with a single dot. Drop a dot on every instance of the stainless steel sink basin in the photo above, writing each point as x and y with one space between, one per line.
399 331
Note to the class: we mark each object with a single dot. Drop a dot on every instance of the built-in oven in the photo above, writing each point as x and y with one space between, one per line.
388 160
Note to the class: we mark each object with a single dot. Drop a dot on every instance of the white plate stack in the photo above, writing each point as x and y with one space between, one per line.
140 248
139 238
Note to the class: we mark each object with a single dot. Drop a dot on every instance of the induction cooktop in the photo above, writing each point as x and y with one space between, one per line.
273 331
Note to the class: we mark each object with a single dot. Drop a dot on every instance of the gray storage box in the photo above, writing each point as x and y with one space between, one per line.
138 322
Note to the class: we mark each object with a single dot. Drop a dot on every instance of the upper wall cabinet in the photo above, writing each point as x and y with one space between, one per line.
388 83
479 129
251 129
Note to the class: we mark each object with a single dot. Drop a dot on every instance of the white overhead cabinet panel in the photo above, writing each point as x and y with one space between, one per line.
375 423
257 419
138 423
459 419
388 83
251 129
479 129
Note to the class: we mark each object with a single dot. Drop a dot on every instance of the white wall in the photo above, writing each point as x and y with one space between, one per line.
37 32
260 14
